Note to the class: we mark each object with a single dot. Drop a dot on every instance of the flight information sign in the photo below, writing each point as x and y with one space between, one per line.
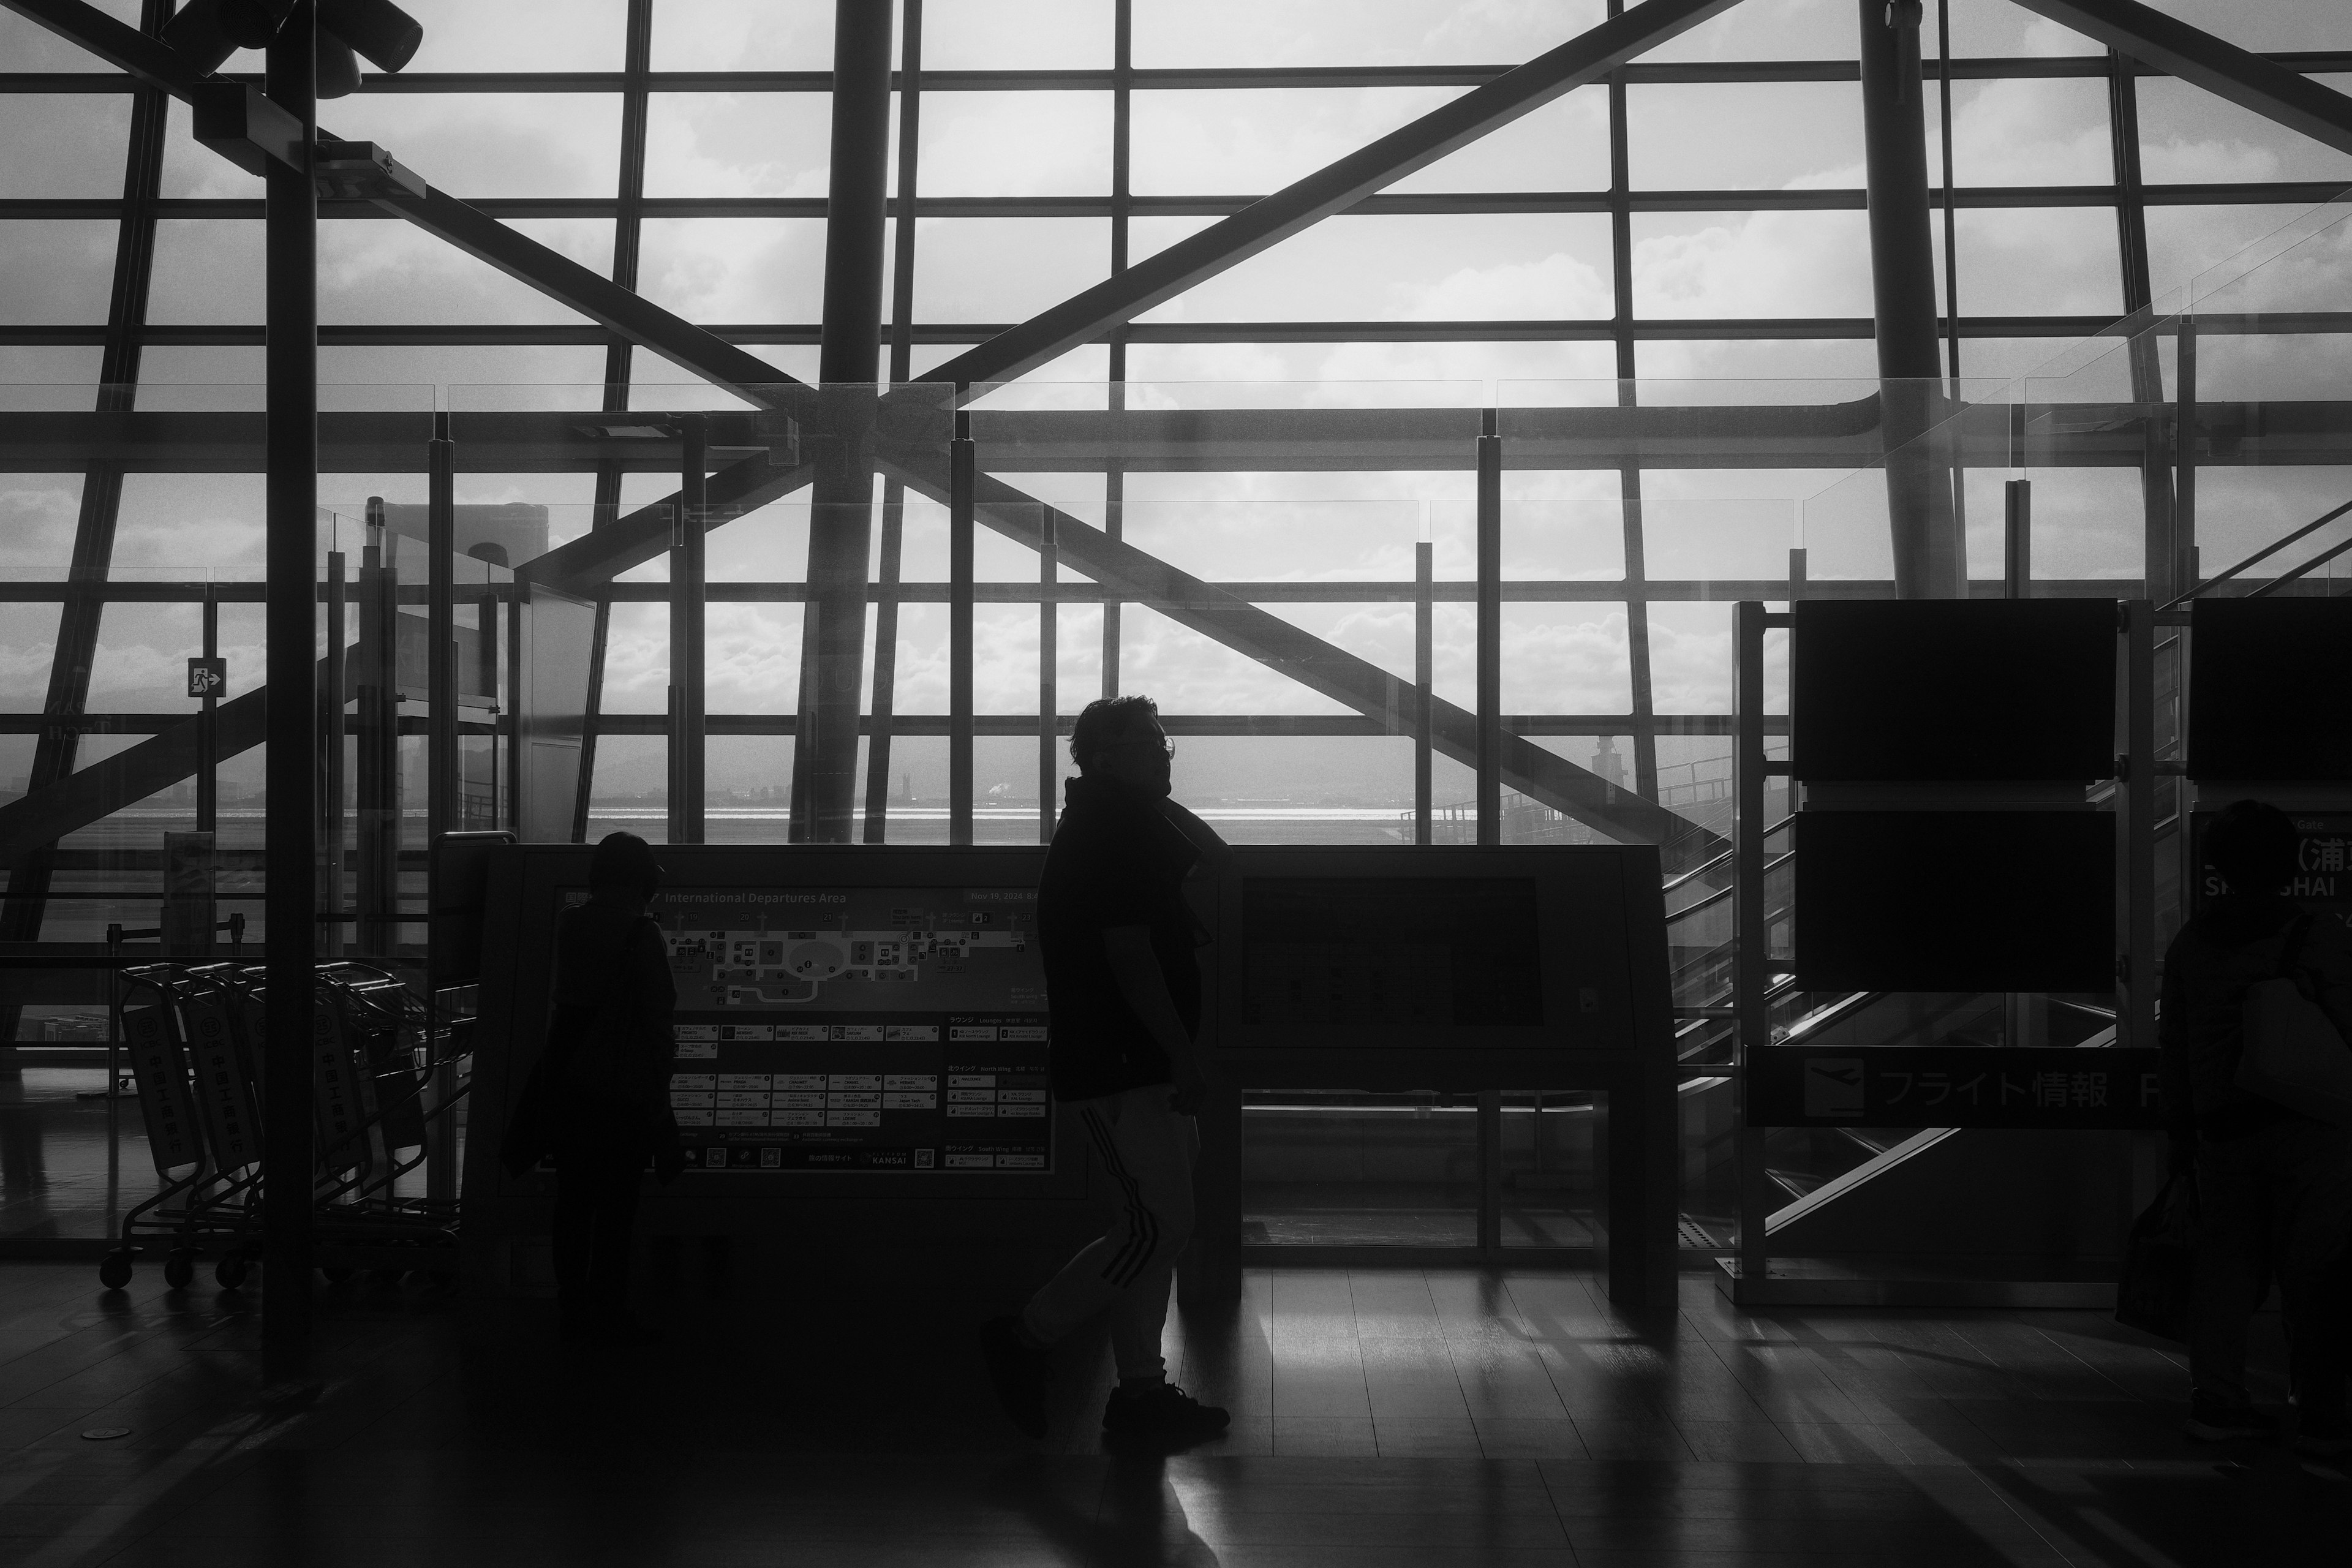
859 1029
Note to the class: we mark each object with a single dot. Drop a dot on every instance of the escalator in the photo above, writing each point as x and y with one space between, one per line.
1877 1190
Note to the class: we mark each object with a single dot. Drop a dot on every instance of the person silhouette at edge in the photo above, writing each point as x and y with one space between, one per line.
1124 990
609 1047
2274 1186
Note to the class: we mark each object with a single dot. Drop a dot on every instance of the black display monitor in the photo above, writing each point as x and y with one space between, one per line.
1445 953
1897 690
1955 901
1360 966
2267 679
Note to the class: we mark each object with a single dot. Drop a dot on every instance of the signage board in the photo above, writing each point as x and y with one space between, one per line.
1953 1086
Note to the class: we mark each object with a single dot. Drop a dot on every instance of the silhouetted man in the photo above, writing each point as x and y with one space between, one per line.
2274 1186
1124 989
608 1063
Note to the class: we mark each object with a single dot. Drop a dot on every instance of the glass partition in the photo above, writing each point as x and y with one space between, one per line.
136 553
1283 566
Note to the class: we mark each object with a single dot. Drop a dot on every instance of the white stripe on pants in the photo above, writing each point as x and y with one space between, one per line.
1147 1149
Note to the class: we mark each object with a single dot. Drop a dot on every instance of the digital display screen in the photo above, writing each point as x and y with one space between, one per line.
859 1028
1391 953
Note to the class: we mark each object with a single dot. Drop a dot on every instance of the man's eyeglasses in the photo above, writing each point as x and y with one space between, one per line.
1164 743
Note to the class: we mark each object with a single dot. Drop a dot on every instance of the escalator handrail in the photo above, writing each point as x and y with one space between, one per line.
2275 545
1704 867
1821 1017
1770 867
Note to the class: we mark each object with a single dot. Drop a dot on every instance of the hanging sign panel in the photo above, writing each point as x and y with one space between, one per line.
1953 1086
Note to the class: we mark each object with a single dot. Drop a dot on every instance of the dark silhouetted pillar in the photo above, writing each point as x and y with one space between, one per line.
824 754
291 246
1928 562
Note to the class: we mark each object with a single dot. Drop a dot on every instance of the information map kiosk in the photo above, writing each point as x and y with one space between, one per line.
863 1033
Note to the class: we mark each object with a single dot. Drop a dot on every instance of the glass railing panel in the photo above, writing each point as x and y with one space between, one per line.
1548 1180
1360 1169
2268 442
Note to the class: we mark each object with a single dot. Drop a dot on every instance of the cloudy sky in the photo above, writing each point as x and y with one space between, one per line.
974 270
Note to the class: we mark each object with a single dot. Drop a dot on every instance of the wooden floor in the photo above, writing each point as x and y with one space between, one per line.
805 1417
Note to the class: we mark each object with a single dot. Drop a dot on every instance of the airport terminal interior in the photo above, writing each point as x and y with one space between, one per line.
1713 562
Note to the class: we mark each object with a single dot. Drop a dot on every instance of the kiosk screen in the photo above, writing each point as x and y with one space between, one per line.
1378 953
859 1028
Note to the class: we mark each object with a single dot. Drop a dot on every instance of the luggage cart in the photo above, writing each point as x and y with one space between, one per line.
387 1081
118 1085
196 1095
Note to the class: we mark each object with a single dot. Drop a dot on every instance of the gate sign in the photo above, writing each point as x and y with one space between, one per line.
1953 1086
207 677
2322 860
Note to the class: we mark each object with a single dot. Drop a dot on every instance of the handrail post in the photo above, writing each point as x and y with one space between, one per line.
1750 937
1424 652
1049 655
2135 966
2180 572
2017 539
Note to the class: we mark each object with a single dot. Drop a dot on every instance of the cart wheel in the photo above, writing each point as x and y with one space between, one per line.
229 1272
179 1268
114 1270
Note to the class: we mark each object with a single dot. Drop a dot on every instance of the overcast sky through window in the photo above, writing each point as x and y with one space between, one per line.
1753 283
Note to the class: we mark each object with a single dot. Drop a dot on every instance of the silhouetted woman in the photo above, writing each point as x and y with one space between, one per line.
2274 1185
607 1084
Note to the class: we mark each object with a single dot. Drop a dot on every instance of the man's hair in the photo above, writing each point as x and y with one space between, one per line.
624 863
1103 721
2253 844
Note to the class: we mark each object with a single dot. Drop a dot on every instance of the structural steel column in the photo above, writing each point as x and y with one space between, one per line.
1628 478
1490 634
824 755
332 791
2170 573
291 246
208 725
377 798
55 752
894 490
885 665
902 230
627 227
443 802
1122 209
960 463
1927 547
687 642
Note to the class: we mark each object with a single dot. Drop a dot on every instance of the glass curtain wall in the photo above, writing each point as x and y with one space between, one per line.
1688 235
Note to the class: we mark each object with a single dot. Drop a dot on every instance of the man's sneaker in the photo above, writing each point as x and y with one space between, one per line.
2210 1421
622 1330
1163 1413
2322 1437
1019 1373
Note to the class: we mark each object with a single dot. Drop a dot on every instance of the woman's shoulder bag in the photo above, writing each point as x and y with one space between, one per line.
2292 1053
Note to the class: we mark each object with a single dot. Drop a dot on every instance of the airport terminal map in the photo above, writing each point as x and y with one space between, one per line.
860 1029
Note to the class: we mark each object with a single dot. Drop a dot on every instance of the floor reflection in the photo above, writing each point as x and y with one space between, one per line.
68 1167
